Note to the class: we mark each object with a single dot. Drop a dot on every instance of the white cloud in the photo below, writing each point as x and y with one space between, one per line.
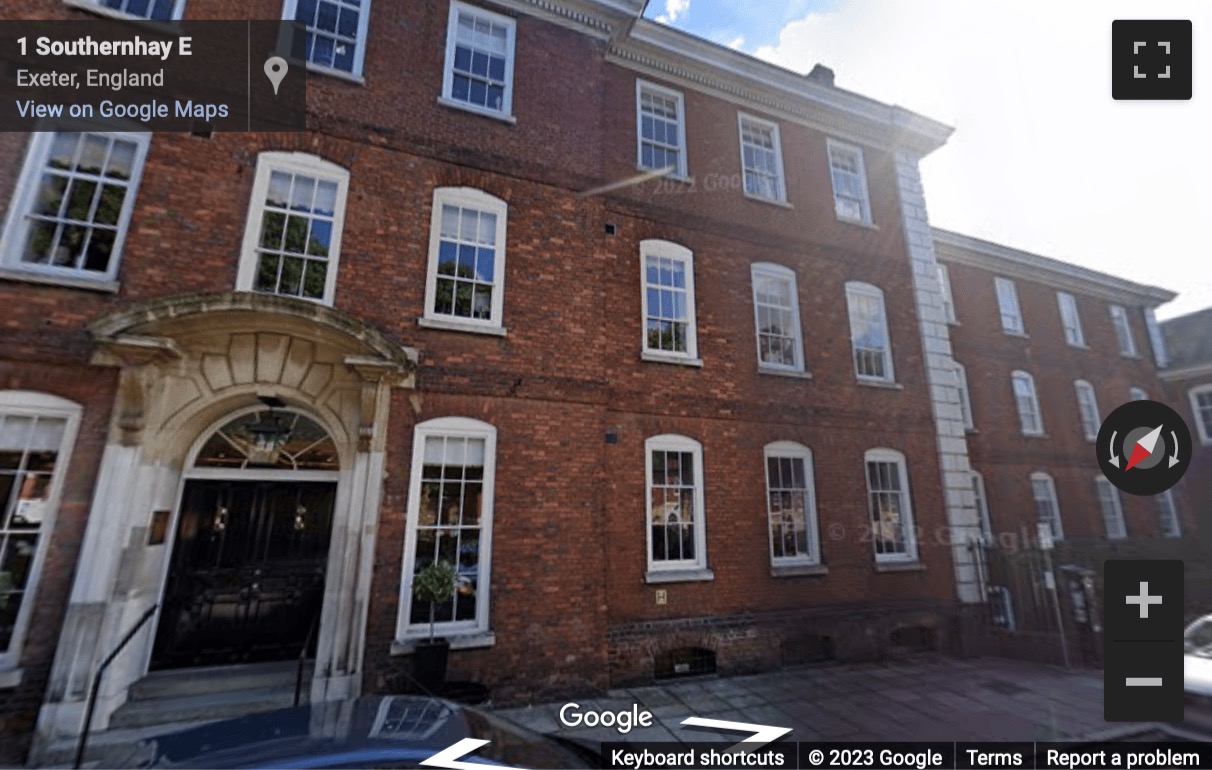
673 9
1042 158
736 42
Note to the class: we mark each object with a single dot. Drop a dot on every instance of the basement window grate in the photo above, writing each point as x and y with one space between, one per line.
684 662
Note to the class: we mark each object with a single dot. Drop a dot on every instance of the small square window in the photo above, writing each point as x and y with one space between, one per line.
336 32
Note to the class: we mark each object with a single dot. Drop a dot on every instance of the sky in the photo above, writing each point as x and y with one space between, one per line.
1042 158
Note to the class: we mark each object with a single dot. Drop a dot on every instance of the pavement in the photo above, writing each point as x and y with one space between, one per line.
927 698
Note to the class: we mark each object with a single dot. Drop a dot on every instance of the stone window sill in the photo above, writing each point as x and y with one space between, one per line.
461 642
665 358
11 678
899 566
798 570
679 576
672 176
780 203
29 276
458 326
881 384
336 73
859 223
498 116
794 373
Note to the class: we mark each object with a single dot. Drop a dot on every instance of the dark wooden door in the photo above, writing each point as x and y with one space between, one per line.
246 578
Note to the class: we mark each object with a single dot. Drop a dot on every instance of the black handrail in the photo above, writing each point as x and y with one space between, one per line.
96 687
303 657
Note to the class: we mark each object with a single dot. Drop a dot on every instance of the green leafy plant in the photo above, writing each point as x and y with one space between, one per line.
435 584
6 588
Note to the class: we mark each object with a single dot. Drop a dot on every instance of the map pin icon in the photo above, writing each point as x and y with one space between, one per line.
275 70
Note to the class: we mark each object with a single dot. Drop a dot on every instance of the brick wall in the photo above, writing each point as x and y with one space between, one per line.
998 449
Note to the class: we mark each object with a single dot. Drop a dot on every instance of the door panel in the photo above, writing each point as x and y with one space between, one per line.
246 578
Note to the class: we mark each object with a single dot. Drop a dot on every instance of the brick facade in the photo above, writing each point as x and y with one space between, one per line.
566 388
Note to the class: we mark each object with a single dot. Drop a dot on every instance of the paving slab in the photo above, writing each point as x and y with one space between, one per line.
927 698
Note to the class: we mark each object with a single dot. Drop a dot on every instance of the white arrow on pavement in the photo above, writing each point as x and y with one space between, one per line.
762 734
448 758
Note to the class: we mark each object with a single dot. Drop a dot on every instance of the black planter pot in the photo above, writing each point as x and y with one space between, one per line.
429 663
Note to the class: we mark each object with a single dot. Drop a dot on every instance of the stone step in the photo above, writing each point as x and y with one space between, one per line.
111 748
207 706
202 681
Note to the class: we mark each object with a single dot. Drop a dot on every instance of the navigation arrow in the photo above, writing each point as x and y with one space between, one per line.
447 758
1174 457
1114 457
762 734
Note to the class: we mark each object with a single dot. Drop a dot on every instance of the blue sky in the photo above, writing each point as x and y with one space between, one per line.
754 22
1042 158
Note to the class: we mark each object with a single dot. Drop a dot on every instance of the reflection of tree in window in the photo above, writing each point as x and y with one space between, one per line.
448 525
296 234
666 292
75 214
672 506
887 514
466 263
29 447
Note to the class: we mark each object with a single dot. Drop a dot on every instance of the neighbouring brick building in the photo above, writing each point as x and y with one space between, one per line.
1046 350
1188 378
661 422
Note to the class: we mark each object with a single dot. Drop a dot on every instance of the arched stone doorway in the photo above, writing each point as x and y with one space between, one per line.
190 368
245 580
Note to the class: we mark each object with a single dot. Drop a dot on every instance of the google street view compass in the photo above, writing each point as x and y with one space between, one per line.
1144 447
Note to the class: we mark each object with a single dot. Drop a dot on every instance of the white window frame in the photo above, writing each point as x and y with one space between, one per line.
690 569
290 10
1087 409
454 427
18 222
1039 477
306 165
771 271
965 396
981 500
859 288
1202 415
1112 509
1137 394
781 180
1009 307
471 198
1071 320
944 279
511 25
1036 415
94 6
908 527
1169 522
835 146
1123 331
791 450
668 93
1005 602
653 247
35 404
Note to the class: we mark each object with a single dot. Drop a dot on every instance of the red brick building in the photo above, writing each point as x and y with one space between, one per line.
1188 379
1046 350
661 422
257 381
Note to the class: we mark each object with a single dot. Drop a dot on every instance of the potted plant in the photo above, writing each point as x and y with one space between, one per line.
434 584
6 588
